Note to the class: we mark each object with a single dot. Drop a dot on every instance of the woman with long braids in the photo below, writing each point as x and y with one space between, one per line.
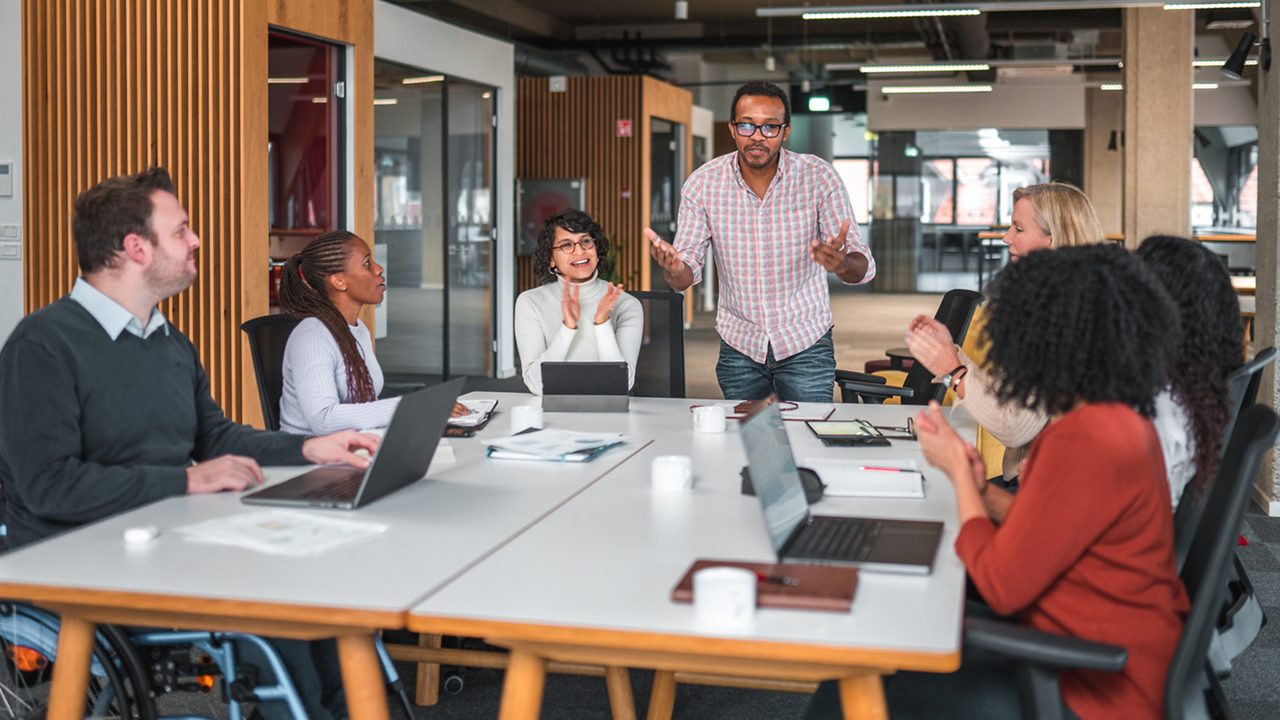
575 315
1192 413
331 377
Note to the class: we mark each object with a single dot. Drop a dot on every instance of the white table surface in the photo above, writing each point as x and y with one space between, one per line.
438 527
609 558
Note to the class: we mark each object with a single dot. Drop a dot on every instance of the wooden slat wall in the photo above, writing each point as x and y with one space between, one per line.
573 134
186 92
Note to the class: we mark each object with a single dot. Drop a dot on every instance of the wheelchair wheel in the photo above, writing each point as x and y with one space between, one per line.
28 650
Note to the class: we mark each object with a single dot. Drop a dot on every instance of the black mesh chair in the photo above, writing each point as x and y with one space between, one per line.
955 312
1191 686
660 367
268 336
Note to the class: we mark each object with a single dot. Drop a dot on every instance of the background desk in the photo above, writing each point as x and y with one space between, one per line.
592 582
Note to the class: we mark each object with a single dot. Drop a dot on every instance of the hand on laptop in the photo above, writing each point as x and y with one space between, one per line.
228 472
340 448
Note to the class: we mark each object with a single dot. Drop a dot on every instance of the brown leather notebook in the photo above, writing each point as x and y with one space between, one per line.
795 586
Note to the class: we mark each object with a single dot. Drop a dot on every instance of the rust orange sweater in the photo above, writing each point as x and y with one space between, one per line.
1086 550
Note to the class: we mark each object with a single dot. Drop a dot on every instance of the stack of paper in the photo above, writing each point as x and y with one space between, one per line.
282 532
869 478
480 409
562 445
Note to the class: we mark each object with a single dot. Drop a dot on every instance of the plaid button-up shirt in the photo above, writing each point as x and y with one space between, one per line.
771 291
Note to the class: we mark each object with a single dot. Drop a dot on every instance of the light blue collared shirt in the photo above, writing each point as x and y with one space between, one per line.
112 316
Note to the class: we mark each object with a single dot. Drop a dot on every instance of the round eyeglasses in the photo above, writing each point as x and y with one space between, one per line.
567 246
769 130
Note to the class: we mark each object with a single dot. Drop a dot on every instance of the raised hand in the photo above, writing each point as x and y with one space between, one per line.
228 472
831 254
663 252
569 304
607 302
942 446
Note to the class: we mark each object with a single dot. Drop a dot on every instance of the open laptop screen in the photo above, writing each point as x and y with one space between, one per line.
773 472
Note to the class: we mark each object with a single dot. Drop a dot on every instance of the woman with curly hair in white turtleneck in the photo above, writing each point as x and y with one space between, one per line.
575 315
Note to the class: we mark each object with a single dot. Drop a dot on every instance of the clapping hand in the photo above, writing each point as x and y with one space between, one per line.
607 302
569 304
663 252
831 254
944 449
930 344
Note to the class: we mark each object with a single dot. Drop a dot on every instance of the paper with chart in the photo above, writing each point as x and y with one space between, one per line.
480 409
282 532
553 445
868 478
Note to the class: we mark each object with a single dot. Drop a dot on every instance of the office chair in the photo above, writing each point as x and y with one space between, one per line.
1191 686
955 312
268 336
660 367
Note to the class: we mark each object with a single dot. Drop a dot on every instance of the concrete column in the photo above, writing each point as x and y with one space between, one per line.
1103 166
1158 50
895 231
1267 320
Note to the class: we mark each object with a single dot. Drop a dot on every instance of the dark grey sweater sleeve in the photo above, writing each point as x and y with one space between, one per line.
217 435
41 443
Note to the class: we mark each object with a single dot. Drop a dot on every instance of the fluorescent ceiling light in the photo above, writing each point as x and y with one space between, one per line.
287 81
419 80
1111 86
1219 63
319 100
896 13
933 89
385 101
818 103
1210 5
925 68
1204 86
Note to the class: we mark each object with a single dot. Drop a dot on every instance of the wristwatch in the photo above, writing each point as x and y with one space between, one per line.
951 378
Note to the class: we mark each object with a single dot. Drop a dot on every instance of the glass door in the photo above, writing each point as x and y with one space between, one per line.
433 146
666 149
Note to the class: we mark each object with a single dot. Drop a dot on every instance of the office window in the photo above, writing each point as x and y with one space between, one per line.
857 174
1202 214
938 180
977 185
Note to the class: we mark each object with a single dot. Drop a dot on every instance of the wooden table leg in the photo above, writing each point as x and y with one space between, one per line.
362 677
522 687
862 697
662 697
427 692
621 701
71 671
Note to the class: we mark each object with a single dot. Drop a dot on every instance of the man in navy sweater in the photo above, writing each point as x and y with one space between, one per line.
104 406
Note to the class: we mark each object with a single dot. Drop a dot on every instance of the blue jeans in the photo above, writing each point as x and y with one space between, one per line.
807 376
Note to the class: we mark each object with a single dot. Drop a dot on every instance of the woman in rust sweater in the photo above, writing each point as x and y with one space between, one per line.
1087 336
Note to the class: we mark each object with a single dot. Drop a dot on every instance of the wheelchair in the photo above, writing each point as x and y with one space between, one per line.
131 670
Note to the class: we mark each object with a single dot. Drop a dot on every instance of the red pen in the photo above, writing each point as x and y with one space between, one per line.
888 469
776 579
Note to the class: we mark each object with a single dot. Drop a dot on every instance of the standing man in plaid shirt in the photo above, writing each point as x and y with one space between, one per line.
777 222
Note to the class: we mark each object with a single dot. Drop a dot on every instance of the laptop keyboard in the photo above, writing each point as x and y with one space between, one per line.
836 539
343 488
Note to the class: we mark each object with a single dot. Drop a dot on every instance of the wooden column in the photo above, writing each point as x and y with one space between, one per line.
1104 166
1158 50
1267 320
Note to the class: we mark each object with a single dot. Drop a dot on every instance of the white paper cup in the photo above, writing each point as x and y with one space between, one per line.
672 473
724 596
709 419
524 417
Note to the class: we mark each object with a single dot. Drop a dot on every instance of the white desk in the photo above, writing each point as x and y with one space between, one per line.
438 527
591 583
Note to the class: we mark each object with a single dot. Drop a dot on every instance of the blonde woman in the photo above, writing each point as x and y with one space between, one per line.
1045 216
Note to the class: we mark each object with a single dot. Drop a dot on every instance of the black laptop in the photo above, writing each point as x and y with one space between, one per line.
403 457
901 546
585 387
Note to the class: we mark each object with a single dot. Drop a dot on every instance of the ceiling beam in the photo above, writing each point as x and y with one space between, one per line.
519 15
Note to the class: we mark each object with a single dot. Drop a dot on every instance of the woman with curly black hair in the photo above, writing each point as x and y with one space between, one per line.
1087 336
571 254
1192 414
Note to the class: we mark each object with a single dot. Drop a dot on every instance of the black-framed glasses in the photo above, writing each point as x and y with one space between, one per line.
908 432
567 246
769 130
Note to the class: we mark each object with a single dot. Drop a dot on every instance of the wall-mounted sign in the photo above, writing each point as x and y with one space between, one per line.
624 128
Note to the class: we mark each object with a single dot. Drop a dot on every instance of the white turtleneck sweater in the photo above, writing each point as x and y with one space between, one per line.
542 335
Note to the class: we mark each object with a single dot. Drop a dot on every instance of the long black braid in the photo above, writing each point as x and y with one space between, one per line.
303 294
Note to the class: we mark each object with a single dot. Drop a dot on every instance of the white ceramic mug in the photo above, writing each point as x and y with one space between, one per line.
709 419
724 596
672 473
524 417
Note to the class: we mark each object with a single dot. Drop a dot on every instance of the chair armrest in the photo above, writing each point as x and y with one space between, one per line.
873 390
1043 649
854 376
